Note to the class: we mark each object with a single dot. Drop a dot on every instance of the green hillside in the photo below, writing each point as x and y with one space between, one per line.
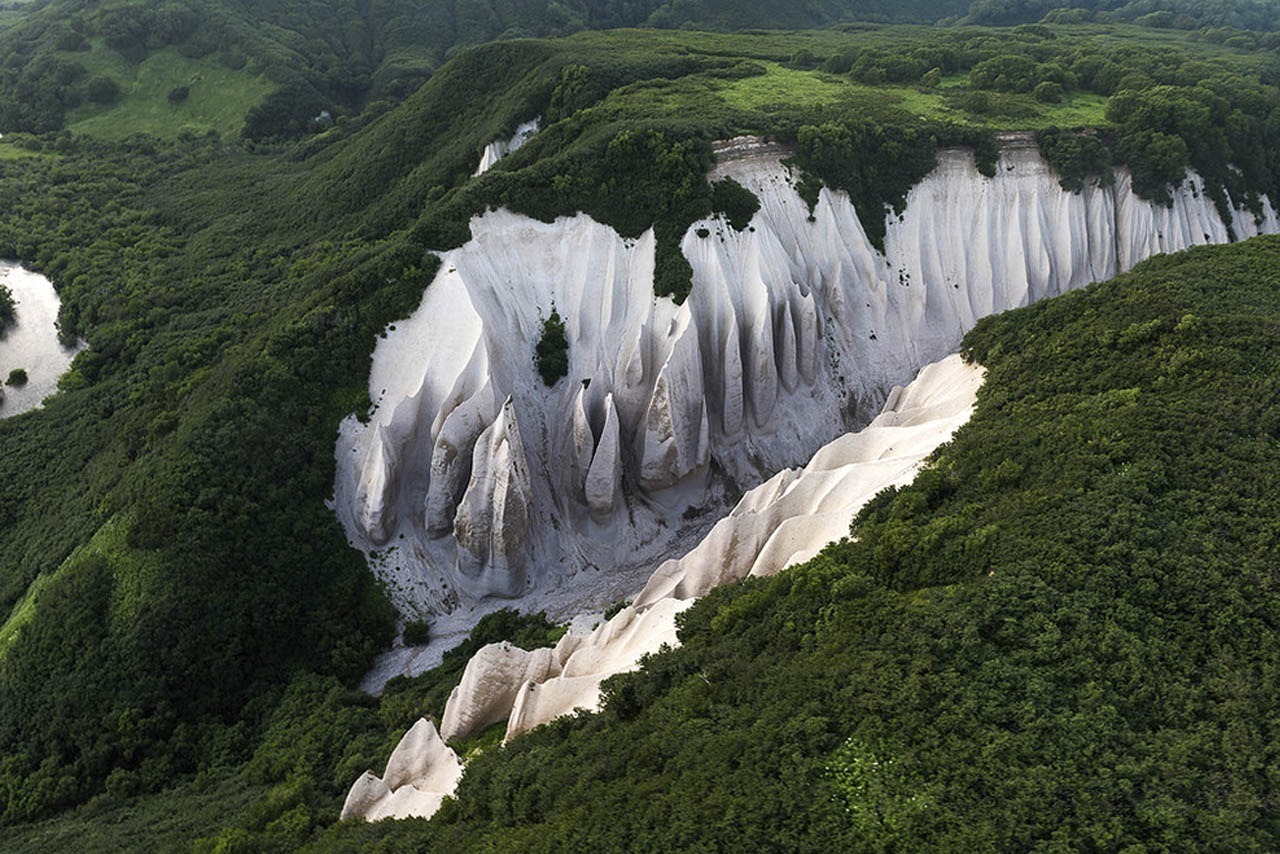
179 608
270 68
214 97
291 59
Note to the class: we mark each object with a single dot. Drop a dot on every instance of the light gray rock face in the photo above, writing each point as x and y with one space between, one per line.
420 773
475 480
604 477
783 521
492 523
490 685
500 148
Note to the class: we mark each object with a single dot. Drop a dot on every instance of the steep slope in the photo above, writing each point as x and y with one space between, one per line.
782 522
1061 633
475 480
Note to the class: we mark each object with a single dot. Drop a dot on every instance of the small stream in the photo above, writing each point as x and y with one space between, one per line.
32 343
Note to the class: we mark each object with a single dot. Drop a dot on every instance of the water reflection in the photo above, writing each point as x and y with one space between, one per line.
31 344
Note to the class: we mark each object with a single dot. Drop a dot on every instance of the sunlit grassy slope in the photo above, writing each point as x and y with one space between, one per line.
783 88
218 97
789 86
13 152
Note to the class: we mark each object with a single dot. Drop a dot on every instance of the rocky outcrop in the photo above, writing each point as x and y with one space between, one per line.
793 332
783 521
492 523
500 148
603 481
790 517
421 772
490 685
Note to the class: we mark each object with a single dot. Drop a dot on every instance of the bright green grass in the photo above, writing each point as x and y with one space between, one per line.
219 97
784 86
131 569
14 152
1078 109
22 612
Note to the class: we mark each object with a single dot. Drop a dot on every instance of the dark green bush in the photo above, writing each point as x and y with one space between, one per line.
551 356
1075 157
416 632
103 90
1048 92
8 308
736 202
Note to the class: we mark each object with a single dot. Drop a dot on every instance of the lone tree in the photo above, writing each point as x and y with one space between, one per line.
17 377
8 308
552 353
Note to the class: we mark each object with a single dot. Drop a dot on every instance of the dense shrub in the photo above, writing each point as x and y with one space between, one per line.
1075 157
551 356
103 90
416 632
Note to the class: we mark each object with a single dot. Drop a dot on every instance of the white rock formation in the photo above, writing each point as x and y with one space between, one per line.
792 334
790 517
500 148
491 525
784 521
420 773
490 685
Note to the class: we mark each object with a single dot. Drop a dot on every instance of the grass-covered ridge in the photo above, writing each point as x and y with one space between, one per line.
1060 635
628 118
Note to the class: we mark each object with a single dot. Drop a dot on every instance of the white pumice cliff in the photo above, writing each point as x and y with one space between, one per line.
796 330
782 522
473 481
500 148
421 772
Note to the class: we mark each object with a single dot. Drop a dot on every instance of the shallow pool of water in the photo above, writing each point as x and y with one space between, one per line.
32 343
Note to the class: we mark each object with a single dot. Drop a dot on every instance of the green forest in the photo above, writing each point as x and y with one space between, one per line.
1071 649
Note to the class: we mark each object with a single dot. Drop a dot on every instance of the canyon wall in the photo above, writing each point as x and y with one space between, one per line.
474 480
784 521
